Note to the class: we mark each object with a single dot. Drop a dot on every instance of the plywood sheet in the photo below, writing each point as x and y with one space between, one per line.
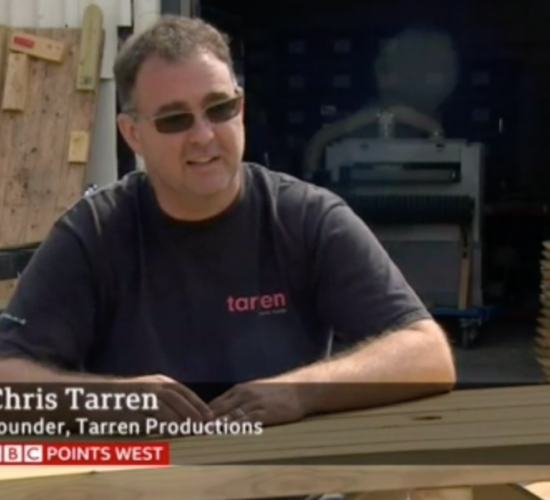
37 180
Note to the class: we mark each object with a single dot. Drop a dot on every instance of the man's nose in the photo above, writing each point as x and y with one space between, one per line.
201 132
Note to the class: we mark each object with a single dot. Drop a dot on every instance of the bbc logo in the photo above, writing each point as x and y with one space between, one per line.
21 453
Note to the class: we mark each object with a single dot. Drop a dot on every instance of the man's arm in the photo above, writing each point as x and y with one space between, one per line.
412 362
48 327
59 310
400 351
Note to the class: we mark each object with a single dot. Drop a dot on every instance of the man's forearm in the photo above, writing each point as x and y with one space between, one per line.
399 366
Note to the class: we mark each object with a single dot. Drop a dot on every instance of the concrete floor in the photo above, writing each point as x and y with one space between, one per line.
503 354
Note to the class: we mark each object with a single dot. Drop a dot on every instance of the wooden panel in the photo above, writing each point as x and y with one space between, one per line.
37 181
37 46
79 147
16 84
90 49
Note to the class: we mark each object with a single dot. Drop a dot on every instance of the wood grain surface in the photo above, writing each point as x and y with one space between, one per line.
513 421
233 483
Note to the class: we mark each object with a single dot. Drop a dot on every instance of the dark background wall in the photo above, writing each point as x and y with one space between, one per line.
502 99
505 45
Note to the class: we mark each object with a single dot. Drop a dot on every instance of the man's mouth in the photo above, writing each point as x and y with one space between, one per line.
203 161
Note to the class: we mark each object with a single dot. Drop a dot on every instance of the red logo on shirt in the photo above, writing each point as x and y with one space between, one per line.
263 304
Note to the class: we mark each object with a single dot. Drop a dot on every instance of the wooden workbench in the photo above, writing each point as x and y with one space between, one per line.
505 432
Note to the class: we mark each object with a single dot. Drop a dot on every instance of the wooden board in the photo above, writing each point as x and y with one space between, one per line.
542 344
37 181
513 417
91 45
459 428
4 41
79 147
503 492
541 490
16 83
37 46
232 483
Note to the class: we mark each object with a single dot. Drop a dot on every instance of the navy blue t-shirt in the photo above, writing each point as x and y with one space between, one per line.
119 288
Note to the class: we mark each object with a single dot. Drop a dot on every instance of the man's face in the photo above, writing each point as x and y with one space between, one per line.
198 154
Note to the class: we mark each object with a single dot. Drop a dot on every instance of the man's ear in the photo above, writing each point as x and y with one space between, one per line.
129 131
243 101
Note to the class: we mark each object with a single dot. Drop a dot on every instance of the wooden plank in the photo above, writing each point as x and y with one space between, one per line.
465 282
5 129
512 425
72 179
503 492
46 184
4 40
91 45
464 493
24 155
16 86
434 430
36 46
539 490
380 495
37 181
230 483
79 147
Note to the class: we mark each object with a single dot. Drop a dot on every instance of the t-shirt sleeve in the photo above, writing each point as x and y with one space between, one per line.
50 317
360 290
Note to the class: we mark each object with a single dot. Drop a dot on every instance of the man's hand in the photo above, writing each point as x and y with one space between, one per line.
177 403
267 401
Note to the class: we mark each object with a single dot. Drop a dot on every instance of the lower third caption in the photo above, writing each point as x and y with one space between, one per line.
81 401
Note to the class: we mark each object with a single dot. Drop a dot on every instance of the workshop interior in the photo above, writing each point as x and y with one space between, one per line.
428 118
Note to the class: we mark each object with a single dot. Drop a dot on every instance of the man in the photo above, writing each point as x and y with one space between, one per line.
208 269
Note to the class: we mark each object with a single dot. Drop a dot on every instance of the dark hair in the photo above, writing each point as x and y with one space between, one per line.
172 38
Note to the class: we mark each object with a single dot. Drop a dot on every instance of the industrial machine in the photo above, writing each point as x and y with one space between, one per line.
423 199
421 193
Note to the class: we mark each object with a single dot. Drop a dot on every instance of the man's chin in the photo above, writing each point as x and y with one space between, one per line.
215 186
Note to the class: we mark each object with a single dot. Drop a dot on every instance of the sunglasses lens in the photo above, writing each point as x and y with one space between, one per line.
174 124
224 111
180 122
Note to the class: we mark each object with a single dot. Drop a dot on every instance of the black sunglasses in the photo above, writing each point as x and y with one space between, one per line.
181 121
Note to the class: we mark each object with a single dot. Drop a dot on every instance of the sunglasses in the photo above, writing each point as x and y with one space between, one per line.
181 121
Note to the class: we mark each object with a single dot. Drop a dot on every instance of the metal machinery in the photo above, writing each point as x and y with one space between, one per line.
421 193
423 199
